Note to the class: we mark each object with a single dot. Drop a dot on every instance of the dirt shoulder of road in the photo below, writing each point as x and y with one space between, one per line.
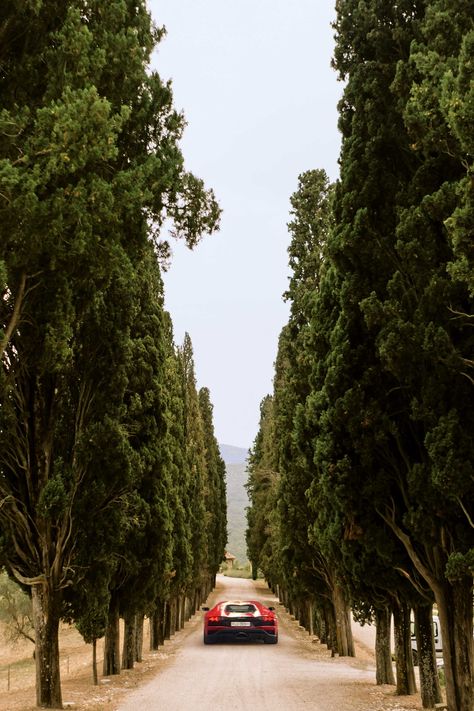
78 690
382 698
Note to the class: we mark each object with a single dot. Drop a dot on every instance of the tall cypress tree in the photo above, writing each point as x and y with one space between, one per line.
262 486
195 467
215 492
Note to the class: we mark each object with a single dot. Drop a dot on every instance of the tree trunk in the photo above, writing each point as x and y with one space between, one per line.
321 628
157 638
181 611
167 620
310 617
188 610
173 615
46 613
455 616
139 637
95 676
383 651
291 606
404 662
197 599
330 624
426 656
345 642
112 641
129 641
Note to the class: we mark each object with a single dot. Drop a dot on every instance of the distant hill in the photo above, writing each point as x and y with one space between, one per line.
233 455
237 499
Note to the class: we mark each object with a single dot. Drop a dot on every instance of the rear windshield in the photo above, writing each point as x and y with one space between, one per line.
240 608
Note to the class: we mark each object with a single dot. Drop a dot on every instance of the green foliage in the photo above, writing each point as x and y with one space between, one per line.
215 490
262 485
237 503
53 498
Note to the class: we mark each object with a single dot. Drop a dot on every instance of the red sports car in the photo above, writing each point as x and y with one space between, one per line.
240 620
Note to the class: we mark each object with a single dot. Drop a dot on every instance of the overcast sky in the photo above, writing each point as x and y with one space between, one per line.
253 78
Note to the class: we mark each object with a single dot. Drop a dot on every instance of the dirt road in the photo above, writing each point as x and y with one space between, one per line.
297 674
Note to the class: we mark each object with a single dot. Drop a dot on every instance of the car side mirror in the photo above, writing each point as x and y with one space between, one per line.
271 608
205 609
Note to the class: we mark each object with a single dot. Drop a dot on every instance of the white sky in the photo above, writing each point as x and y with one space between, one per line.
254 80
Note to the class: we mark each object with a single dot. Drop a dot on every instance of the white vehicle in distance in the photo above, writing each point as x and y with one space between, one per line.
437 640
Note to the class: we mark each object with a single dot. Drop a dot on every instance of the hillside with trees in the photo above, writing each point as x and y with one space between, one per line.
111 481
237 503
235 459
361 474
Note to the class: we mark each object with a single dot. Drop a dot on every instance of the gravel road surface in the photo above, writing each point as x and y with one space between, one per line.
297 674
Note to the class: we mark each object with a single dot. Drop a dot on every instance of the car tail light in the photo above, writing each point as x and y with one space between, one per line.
214 618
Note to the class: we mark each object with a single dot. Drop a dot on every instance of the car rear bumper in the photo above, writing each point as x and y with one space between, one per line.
227 634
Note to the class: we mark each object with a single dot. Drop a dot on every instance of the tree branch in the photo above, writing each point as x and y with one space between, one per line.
15 317
465 511
410 549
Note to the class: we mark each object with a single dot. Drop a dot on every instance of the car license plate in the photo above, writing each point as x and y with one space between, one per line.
238 623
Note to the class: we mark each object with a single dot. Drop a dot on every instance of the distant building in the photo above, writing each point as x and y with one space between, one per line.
229 559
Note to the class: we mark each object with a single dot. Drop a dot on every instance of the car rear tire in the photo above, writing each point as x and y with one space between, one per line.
271 640
207 639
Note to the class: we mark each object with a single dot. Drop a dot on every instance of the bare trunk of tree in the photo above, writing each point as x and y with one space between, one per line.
129 641
406 684
167 620
180 613
383 652
46 614
345 642
139 638
95 676
320 625
426 656
173 615
157 626
330 624
310 616
112 641
187 608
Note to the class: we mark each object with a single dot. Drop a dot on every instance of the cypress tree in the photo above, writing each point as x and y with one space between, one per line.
196 474
215 492
262 486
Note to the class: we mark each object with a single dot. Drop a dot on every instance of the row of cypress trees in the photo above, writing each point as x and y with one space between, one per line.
361 477
112 489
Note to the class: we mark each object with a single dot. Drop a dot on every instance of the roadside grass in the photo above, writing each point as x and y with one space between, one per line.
19 665
237 573
241 572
